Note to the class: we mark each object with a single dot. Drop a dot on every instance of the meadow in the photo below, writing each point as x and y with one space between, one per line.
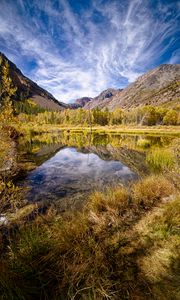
122 244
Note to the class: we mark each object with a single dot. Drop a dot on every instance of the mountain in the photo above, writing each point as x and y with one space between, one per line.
27 88
90 103
79 103
83 101
102 99
158 86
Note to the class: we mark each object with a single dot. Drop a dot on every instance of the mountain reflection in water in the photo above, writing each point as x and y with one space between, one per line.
71 171
69 164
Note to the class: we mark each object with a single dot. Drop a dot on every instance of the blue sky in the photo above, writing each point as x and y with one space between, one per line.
79 48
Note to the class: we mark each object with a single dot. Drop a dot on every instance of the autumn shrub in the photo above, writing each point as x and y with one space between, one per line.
171 118
11 196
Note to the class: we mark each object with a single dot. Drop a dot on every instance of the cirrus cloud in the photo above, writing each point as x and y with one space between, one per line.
76 48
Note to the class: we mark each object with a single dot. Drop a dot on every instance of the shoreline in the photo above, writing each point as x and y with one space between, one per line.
149 130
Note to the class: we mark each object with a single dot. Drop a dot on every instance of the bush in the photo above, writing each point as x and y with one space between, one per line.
171 118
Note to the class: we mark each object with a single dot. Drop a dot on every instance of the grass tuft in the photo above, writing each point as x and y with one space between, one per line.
152 189
112 199
159 234
160 159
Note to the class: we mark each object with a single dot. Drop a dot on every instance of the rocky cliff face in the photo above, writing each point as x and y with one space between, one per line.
156 87
83 101
28 88
79 103
102 100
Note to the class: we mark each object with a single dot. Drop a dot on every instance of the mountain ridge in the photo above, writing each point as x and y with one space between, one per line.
103 96
156 87
27 88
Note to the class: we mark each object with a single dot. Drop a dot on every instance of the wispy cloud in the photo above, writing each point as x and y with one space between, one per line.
79 50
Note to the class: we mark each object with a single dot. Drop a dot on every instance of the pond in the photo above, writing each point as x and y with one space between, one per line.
66 164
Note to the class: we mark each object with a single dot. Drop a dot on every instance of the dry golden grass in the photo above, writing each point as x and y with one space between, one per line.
159 233
114 199
153 188
114 249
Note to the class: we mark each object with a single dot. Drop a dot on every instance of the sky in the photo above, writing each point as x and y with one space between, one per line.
76 48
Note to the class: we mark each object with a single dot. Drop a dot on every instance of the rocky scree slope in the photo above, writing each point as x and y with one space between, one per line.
160 86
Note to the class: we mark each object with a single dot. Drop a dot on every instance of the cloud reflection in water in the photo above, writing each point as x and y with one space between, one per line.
70 171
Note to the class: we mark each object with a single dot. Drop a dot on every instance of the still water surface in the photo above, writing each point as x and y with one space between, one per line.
70 171
67 164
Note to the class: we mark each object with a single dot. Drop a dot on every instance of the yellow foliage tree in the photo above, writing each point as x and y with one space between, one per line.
7 90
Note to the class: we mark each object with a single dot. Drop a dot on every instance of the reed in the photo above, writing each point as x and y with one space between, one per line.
160 159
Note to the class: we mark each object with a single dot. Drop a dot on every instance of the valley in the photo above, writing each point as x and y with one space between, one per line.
89 191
